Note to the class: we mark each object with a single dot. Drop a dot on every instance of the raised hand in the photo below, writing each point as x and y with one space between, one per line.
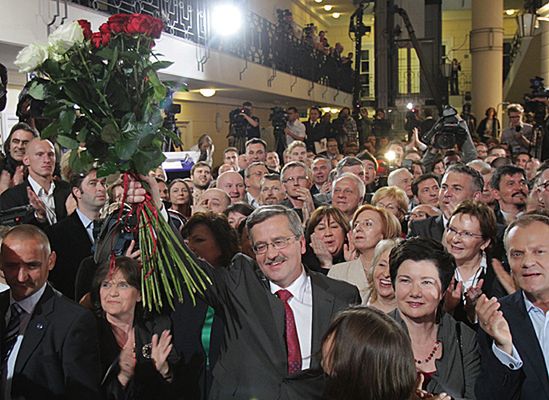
472 295
504 277
38 205
423 394
453 295
5 181
321 251
136 255
349 250
127 360
19 175
493 322
161 348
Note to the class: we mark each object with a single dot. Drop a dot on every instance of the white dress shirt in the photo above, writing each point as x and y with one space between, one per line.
301 304
28 304
47 199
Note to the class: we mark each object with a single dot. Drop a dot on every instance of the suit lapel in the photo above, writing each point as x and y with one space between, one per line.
59 200
438 228
80 230
4 305
525 339
36 328
323 308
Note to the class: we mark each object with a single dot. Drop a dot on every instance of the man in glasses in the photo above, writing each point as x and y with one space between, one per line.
276 315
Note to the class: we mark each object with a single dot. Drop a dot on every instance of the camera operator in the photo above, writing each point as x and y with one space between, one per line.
456 131
518 135
295 130
243 126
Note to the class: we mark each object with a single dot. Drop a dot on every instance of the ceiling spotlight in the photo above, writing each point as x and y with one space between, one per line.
226 19
410 106
510 12
207 92
336 15
318 1
328 7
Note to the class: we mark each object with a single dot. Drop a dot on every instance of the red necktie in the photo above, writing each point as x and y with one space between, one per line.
292 341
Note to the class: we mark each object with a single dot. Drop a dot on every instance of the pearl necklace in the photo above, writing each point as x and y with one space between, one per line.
430 357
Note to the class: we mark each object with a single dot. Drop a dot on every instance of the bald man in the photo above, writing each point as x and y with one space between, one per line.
49 344
46 197
232 183
214 200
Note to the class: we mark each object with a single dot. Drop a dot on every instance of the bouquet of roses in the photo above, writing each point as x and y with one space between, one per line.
102 93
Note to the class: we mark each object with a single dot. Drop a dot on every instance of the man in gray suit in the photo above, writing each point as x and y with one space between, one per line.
276 315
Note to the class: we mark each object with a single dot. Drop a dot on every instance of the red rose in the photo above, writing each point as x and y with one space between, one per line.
157 27
139 24
117 22
100 39
86 28
104 28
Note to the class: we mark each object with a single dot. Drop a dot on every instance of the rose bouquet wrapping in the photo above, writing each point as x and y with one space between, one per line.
102 93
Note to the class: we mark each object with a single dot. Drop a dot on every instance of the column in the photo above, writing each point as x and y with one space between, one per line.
487 56
544 59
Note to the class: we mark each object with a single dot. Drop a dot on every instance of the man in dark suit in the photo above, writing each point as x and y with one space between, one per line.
514 341
276 315
72 238
459 183
316 130
46 197
48 343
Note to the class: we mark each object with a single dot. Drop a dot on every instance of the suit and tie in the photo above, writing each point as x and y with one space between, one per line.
17 196
58 355
499 382
254 361
72 243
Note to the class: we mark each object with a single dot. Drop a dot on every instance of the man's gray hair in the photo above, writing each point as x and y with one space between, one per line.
263 213
392 176
295 164
359 183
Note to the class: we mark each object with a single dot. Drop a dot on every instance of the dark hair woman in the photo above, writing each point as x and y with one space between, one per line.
326 234
180 197
489 127
445 351
367 356
136 353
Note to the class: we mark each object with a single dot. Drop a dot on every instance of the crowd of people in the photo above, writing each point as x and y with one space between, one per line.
334 274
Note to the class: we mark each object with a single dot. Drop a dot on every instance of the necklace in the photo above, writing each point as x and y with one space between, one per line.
429 358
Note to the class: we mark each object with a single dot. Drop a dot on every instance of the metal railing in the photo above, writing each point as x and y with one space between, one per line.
259 40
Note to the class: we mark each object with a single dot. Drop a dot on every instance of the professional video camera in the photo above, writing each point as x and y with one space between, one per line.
238 122
14 216
535 102
278 118
447 131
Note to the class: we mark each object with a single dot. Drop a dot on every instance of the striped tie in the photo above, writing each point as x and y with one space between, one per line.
12 331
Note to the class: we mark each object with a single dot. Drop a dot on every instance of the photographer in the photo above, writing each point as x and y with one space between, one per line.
448 131
518 135
295 130
243 126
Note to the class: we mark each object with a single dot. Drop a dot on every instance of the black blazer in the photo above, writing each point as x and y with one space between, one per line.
58 358
432 227
70 241
497 381
147 383
17 196
319 132
253 364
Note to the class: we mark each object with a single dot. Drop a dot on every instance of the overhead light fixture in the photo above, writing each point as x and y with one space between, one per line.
328 7
318 1
410 106
336 15
334 110
207 92
326 109
510 12
226 19
527 24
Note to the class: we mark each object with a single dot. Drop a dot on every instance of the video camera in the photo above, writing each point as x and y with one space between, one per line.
535 102
238 122
14 216
278 118
447 131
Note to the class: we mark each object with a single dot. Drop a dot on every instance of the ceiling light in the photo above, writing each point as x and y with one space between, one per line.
207 92
510 12
318 1
226 19
336 15
328 7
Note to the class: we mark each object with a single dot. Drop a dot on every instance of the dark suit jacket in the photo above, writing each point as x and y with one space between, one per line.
147 383
497 381
432 227
71 243
17 196
253 364
319 132
58 358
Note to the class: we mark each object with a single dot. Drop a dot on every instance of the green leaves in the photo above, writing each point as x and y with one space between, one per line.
37 90
67 142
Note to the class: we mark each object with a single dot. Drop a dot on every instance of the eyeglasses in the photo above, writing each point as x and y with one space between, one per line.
297 179
463 234
278 244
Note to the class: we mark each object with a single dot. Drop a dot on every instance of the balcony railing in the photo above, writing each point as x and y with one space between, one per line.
259 41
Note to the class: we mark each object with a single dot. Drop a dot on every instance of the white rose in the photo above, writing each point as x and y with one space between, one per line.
31 57
64 37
